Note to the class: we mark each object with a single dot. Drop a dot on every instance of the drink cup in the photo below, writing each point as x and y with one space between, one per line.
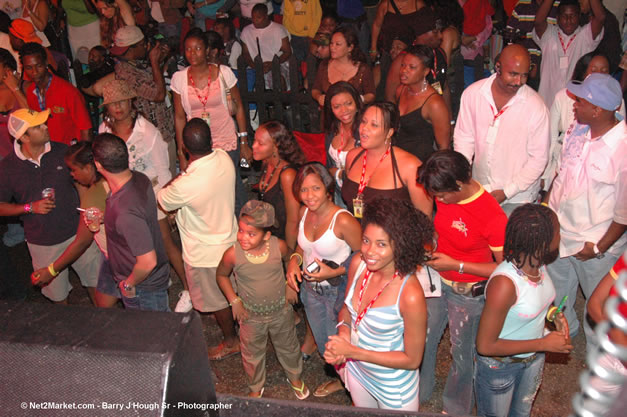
48 193
92 215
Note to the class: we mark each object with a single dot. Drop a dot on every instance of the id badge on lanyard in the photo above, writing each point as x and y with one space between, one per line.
563 62
358 206
354 337
205 116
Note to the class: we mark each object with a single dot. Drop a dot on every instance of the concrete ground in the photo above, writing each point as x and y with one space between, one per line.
560 380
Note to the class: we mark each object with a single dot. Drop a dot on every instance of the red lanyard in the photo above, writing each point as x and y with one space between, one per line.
364 284
497 115
343 132
362 183
435 64
565 48
203 100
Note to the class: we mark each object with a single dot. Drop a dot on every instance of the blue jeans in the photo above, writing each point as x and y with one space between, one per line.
147 300
506 388
240 191
566 274
463 314
322 305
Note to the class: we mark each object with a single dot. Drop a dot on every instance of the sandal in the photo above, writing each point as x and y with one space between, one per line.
323 390
222 351
253 395
300 393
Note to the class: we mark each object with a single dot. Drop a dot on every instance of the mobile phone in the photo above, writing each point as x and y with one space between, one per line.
312 268
479 288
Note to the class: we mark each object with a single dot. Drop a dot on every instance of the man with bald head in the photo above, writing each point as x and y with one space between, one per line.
204 199
503 130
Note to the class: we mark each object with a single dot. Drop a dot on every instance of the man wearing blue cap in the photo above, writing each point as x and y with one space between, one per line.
589 193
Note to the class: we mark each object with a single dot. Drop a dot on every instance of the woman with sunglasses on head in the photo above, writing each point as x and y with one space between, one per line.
471 230
326 233
379 169
383 323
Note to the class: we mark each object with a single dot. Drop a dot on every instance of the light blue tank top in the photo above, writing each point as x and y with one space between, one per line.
525 319
382 330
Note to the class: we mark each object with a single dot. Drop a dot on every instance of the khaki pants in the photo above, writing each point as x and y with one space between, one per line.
253 335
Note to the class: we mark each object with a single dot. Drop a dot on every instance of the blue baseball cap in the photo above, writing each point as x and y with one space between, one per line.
599 89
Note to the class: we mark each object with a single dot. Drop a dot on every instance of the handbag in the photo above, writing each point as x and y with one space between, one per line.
230 103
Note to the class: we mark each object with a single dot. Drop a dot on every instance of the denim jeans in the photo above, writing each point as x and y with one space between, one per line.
507 389
463 314
147 300
240 190
566 274
322 305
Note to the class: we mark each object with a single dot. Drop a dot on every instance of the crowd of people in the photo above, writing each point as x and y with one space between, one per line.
474 175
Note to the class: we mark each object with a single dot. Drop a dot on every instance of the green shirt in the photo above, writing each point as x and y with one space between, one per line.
77 13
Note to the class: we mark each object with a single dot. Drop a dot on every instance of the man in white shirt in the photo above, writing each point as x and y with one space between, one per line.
266 38
564 44
504 125
589 193
204 197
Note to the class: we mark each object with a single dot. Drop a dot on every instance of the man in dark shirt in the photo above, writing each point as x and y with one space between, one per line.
136 252
50 224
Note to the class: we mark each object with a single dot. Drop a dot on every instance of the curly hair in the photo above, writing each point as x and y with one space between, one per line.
528 235
408 229
7 59
315 168
289 149
352 39
331 123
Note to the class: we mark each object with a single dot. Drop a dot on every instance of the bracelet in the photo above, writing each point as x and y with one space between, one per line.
235 301
372 50
300 258
28 208
544 204
242 134
51 270
461 267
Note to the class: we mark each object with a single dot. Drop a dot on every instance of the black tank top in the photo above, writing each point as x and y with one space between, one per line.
350 187
415 134
393 24
275 197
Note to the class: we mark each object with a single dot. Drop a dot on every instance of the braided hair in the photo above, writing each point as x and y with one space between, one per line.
528 235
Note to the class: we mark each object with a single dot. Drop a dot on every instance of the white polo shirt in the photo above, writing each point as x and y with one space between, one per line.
510 153
590 190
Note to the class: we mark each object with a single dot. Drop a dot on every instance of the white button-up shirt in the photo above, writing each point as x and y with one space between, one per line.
204 196
511 152
590 190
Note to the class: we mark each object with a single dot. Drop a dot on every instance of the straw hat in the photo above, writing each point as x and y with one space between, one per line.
117 90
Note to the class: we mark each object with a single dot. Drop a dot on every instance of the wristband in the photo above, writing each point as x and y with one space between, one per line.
51 270
235 301
242 134
461 268
544 204
28 208
300 258
127 287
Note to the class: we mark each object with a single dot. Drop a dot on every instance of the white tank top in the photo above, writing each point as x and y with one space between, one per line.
328 246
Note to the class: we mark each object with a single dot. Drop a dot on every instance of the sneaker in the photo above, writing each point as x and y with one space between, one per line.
185 303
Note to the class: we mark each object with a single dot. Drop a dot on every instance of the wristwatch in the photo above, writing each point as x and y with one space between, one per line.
28 208
127 288
597 253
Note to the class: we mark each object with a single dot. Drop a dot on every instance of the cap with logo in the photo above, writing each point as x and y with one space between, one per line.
602 90
23 119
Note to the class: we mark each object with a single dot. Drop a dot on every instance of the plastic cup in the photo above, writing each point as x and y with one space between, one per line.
92 215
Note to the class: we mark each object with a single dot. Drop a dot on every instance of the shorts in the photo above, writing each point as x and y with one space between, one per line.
204 290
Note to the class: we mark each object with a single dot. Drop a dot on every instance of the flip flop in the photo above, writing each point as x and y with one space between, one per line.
257 395
323 390
300 393
222 351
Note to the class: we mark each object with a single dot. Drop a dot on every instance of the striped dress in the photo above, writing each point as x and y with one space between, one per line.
382 330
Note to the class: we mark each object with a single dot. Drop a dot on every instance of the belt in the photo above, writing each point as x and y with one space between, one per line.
461 288
513 359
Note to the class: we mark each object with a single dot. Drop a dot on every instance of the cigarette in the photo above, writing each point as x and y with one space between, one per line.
80 209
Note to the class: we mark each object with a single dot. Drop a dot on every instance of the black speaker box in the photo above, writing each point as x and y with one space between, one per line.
83 361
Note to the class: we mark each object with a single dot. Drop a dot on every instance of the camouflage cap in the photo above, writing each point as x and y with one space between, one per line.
322 38
261 213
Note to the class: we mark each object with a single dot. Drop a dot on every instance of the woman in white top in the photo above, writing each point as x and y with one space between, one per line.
147 152
37 12
202 90
326 233
562 116
511 339
342 104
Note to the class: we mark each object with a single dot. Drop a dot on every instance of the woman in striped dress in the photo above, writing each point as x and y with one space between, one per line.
382 326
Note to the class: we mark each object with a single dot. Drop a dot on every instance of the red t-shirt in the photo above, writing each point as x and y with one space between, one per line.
469 231
68 112
616 270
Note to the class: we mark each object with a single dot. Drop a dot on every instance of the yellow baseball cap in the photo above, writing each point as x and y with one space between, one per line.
23 119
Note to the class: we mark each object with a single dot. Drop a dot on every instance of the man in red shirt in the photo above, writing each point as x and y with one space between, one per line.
69 118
